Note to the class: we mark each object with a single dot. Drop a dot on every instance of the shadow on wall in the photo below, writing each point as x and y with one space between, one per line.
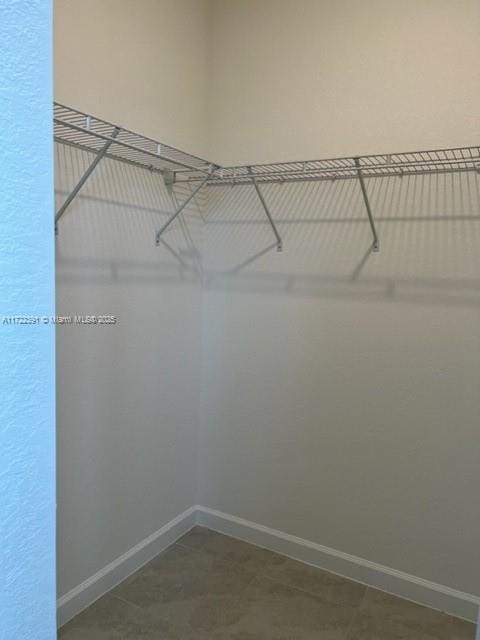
108 232
429 229
127 391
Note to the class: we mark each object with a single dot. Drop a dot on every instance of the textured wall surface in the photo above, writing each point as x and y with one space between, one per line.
27 420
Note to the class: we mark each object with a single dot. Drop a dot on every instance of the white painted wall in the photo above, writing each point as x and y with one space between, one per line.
127 395
138 63
323 78
341 389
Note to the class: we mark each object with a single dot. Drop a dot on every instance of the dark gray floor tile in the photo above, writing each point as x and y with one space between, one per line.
386 617
460 629
314 580
369 627
213 587
112 619
269 610
191 591
228 549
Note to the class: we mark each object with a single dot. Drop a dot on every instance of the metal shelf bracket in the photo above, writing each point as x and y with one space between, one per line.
376 242
85 177
169 179
181 207
267 212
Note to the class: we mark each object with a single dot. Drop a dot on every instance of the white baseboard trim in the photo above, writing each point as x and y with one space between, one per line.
404 585
81 596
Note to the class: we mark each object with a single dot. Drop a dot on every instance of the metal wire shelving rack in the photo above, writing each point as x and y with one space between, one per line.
92 134
107 140
104 139
372 166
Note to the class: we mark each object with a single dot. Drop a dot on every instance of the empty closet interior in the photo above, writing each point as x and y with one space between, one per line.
268 291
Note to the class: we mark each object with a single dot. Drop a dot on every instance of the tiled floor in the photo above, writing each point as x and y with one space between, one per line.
210 586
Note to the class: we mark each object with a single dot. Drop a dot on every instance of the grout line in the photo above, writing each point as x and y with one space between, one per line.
357 611
125 601
290 586
337 575
312 593
196 549
315 566
285 555
227 562
221 559
261 572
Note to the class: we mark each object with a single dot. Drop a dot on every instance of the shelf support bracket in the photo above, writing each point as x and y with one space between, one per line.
376 242
85 177
267 212
180 208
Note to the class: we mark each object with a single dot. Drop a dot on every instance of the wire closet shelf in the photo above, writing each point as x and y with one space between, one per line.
372 166
105 139
91 134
